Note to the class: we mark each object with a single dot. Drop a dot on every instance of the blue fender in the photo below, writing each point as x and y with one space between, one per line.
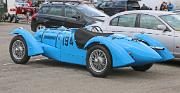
119 56
165 54
34 47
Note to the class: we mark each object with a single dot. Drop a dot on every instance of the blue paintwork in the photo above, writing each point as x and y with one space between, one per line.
120 56
165 54
59 44
34 47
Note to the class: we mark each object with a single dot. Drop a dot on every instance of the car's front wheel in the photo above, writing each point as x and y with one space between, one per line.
18 50
98 61
142 67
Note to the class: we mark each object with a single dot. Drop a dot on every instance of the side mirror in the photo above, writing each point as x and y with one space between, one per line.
161 27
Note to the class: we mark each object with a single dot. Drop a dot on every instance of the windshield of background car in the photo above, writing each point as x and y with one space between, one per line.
120 4
90 11
172 20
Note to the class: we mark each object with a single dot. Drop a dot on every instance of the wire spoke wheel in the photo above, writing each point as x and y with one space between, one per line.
18 49
98 60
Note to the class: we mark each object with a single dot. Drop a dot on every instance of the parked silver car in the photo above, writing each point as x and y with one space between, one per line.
161 25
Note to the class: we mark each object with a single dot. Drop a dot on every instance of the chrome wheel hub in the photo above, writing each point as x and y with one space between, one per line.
98 60
40 27
18 49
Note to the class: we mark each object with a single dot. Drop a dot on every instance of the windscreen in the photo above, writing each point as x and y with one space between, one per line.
172 20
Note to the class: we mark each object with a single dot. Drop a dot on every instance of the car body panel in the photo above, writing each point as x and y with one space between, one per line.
115 50
152 42
34 47
61 44
177 43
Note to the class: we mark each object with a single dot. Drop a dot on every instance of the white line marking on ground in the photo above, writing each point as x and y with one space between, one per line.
5 37
7 64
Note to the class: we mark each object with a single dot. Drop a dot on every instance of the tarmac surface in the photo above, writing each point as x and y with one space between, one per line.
42 75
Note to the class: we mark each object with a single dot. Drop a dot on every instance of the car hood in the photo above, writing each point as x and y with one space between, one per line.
102 19
136 49
94 20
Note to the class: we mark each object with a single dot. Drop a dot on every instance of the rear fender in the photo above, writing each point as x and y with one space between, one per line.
119 56
34 47
165 54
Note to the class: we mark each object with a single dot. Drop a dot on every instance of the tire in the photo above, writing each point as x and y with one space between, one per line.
39 26
142 67
11 17
20 50
16 19
92 68
7 17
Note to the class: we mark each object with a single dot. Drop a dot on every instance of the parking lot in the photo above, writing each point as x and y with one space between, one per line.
43 75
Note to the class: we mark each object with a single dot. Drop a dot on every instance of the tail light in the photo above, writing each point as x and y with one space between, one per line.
34 16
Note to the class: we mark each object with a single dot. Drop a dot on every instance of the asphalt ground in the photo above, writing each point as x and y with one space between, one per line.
42 75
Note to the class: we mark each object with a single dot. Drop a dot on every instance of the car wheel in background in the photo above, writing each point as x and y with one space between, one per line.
10 19
142 67
15 19
40 26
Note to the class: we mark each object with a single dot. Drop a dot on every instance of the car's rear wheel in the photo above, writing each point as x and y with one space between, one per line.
15 19
40 26
18 50
98 61
142 67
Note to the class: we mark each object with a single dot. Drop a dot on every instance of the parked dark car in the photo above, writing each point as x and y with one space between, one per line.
3 9
66 14
113 7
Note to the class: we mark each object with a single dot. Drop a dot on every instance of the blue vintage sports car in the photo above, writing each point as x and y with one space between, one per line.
100 52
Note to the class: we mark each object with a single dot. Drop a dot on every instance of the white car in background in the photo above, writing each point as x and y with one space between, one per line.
161 25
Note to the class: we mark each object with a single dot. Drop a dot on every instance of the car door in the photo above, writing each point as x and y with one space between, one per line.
73 18
49 39
42 16
148 25
69 52
173 21
55 16
123 24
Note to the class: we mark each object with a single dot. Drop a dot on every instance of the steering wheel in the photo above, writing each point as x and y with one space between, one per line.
96 29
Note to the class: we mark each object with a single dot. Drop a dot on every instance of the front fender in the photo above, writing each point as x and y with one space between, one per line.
119 56
165 54
34 47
